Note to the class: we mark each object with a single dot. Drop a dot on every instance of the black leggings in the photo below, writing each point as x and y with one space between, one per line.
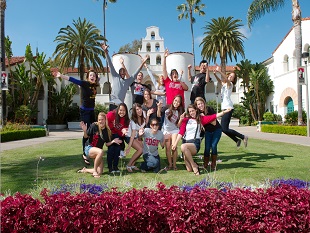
233 134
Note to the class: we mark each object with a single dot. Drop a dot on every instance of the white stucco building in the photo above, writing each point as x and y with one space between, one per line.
282 68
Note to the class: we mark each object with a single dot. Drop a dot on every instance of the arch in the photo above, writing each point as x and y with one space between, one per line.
157 47
158 60
152 35
307 49
148 47
294 59
285 63
289 104
288 92
106 88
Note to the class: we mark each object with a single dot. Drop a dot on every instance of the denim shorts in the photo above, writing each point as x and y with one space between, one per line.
196 142
86 150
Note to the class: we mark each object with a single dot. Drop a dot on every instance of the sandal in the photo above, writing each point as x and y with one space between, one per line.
129 168
175 168
134 168
86 160
197 173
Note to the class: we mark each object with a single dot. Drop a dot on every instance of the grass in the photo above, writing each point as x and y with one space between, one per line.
262 160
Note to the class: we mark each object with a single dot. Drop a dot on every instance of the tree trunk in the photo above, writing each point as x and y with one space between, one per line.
2 17
192 31
296 17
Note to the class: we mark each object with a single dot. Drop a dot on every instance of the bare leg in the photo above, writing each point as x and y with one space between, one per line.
137 145
189 150
168 149
97 154
174 152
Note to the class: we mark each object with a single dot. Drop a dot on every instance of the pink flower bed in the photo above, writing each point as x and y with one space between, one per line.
280 209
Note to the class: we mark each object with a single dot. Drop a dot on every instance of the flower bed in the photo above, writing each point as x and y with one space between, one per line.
285 208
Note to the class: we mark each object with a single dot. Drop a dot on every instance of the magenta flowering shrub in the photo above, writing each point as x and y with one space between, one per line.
278 209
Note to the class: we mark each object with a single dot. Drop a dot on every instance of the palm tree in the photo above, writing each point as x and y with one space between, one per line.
258 8
79 46
224 39
187 9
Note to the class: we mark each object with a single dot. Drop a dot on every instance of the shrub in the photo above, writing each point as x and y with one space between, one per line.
284 129
23 115
292 117
100 108
280 209
268 116
14 135
73 113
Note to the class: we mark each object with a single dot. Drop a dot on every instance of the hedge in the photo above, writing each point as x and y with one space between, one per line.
285 129
7 136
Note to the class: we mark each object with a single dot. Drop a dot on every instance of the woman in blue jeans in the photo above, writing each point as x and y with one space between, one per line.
213 133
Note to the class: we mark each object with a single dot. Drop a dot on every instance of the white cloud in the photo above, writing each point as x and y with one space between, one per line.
246 32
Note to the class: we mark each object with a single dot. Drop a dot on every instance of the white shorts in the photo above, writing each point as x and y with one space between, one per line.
176 131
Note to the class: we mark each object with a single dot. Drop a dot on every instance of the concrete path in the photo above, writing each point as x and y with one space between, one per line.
250 131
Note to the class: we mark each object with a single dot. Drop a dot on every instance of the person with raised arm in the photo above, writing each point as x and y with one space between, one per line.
228 82
199 81
173 86
120 84
88 95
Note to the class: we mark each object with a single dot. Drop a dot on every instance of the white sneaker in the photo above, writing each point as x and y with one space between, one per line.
122 154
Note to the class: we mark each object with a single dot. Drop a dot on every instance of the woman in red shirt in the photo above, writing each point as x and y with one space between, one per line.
118 121
173 86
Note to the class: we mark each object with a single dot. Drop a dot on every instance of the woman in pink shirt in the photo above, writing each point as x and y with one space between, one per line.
173 86
190 131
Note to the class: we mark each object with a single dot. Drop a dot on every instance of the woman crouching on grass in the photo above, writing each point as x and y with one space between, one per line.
190 131
98 133
152 137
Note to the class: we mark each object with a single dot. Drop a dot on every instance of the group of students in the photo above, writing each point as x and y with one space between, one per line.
154 122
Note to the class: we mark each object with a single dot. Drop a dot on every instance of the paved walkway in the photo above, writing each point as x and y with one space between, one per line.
250 131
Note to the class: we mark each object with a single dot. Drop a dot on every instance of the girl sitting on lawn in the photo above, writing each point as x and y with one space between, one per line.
190 131
152 137
97 134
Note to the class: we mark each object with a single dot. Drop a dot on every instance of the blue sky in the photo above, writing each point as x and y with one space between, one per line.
38 23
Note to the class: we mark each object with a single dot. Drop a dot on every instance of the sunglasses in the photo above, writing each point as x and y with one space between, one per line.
154 124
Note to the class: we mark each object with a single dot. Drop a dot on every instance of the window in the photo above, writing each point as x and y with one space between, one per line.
157 47
290 105
158 60
153 36
148 47
285 63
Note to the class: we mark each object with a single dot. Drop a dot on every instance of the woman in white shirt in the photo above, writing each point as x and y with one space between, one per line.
138 121
190 131
171 129
228 82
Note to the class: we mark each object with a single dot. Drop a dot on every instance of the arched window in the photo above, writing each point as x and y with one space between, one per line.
106 88
148 61
158 60
153 36
285 63
157 47
289 104
148 47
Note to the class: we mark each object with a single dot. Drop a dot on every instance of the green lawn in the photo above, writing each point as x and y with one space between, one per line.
251 166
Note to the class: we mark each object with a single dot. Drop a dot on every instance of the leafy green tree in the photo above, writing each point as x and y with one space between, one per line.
79 45
224 39
29 58
132 47
258 8
42 71
187 10
24 87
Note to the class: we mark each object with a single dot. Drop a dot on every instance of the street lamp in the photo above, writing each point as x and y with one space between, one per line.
305 57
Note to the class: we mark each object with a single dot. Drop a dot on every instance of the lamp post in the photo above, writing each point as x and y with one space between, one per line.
305 57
